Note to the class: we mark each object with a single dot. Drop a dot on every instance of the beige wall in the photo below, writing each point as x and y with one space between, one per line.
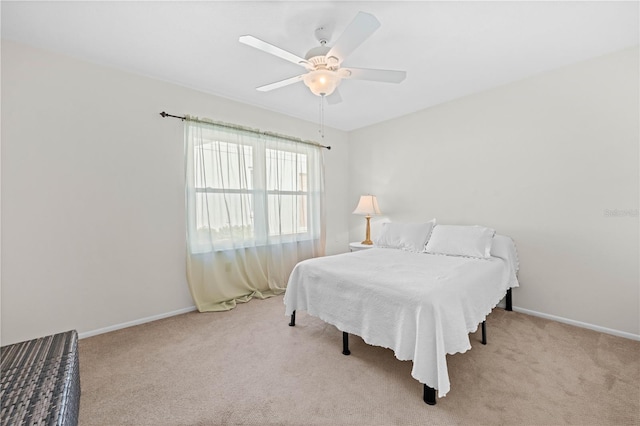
93 231
542 160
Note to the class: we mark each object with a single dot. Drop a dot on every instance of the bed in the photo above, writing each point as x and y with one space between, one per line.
421 305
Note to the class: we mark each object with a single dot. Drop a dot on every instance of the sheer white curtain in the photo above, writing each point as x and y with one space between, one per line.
255 208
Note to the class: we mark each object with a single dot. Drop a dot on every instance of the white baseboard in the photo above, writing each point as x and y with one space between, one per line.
579 324
515 308
135 322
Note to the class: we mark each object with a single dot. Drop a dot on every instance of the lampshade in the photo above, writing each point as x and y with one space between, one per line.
367 206
321 82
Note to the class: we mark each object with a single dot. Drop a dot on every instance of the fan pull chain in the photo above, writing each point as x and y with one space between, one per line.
321 130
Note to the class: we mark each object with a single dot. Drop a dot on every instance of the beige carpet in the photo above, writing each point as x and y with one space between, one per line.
247 366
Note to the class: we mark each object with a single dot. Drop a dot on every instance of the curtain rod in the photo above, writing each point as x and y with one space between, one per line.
246 129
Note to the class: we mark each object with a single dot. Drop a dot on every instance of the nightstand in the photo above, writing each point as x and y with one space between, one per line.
359 246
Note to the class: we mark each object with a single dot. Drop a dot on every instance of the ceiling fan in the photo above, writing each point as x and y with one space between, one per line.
323 63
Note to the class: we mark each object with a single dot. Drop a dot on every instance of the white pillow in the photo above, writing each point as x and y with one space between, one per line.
405 236
455 240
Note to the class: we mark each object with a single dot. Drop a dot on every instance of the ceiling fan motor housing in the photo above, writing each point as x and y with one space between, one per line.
318 58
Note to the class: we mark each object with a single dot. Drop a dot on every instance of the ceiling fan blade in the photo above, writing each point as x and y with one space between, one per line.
274 50
334 98
385 76
362 26
279 84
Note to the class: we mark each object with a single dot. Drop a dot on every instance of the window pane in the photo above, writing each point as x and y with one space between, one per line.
224 216
287 214
286 171
223 165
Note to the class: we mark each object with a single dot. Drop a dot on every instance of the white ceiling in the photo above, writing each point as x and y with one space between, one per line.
449 49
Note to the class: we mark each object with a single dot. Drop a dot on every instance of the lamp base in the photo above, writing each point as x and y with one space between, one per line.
367 239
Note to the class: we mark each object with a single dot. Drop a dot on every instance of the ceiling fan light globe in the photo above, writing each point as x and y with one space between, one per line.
321 82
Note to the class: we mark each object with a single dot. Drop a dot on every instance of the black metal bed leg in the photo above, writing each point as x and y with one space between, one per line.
509 306
345 343
293 319
484 333
429 395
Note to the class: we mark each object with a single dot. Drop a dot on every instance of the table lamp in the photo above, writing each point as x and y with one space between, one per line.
367 206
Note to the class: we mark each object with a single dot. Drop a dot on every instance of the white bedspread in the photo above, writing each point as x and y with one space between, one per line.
421 306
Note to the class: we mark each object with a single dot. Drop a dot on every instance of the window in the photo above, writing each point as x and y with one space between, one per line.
250 189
